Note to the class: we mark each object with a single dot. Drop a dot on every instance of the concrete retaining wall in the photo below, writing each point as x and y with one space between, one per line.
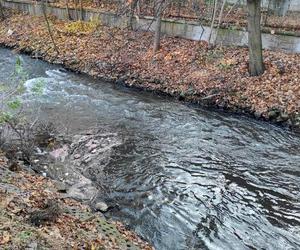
185 29
291 5
190 30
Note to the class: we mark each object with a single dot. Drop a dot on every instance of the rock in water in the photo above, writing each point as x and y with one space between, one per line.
83 190
101 206
60 187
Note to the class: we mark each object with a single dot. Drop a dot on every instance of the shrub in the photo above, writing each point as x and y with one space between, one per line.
81 27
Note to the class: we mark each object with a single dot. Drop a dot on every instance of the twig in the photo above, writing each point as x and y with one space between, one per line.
232 7
209 96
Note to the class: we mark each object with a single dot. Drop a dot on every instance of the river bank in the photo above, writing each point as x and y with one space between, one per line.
187 70
35 213
235 17
182 177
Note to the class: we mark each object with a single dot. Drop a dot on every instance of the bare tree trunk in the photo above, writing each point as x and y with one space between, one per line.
76 10
81 10
44 8
219 23
179 8
237 3
256 66
133 7
138 8
157 35
213 20
68 10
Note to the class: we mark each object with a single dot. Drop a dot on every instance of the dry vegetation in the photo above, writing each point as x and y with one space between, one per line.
233 15
23 198
182 68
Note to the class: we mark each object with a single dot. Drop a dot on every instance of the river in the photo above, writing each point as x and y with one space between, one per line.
183 177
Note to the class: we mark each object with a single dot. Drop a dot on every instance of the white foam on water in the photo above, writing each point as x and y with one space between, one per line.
56 73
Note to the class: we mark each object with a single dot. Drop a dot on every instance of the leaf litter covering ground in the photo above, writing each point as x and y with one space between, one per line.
182 68
76 227
233 15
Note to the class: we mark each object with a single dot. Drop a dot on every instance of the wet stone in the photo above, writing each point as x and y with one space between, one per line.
87 159
101 206
257 114
61 187
77 156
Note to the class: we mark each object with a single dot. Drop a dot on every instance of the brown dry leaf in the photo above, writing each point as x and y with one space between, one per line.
5 201
175 67
5 238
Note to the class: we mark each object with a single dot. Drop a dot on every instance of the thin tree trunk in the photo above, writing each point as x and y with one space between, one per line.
267 13
44 8
179 8
138 8
232 7
211 5
157 35
81 10
219 22
213 20
68 10
133 7
256 66
76 10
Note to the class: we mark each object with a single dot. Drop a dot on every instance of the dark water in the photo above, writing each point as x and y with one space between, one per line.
184 178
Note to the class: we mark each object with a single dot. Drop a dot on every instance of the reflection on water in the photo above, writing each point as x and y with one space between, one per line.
183 178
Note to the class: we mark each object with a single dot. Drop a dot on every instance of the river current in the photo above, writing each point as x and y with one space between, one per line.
182 177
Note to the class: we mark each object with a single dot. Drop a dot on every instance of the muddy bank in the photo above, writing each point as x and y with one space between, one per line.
35 213
187 70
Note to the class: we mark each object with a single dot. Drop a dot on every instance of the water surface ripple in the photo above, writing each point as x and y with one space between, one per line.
183 178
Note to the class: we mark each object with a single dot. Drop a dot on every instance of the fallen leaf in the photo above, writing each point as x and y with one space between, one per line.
5 238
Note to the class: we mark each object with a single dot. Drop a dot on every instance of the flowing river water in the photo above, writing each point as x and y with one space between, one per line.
183 177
